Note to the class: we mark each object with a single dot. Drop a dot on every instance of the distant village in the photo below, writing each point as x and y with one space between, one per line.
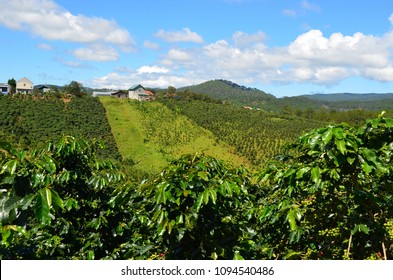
26 86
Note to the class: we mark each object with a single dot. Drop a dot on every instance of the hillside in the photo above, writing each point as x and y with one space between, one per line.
29 121
150 135
232 92
256 135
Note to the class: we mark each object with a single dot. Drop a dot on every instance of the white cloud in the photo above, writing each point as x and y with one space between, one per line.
185 35
340 50
152 69
311 57
151 45
302 9
243 39
289 13
96 52
44 46
117 80
310 6
48 20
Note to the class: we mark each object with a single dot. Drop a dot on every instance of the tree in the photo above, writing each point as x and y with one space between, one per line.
171 90
330 196
74 88
12 83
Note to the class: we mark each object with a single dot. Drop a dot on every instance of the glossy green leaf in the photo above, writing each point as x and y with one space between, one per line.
10 166
315 174
213 195
327 136
42 206
291 218
360 228
203 175
338 133
340 144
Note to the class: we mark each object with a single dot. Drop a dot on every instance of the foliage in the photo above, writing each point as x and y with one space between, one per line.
200 208
151 135
256 135
30 121
55 202
330 196
74 88
231 92
12 83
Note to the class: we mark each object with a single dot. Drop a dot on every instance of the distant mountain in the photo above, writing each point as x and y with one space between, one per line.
229 91
241 95
336 97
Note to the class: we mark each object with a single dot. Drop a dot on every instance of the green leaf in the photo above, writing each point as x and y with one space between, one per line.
179 219
199 202
327 136
315 174
49 164
57 201
206 196
301 171
340 144
291 217
314 140
338 132
237 256
366 167
369 155
90 255
360 228
203 175
351 160
26 201
213 196
10 166
42 206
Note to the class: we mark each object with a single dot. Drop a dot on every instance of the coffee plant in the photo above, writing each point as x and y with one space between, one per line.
330 195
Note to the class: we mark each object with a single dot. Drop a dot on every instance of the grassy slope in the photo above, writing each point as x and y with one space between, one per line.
151 135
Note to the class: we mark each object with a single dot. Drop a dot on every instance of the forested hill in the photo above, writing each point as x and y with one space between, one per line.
229 91
360 97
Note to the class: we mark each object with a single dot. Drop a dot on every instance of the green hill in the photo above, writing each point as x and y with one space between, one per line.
232 92
151 135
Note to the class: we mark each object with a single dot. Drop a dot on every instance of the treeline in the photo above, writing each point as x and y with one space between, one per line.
32 120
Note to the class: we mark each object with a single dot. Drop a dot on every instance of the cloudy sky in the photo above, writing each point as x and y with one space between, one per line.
284 47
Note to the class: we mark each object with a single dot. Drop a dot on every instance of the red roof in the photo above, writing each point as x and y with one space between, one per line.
149 92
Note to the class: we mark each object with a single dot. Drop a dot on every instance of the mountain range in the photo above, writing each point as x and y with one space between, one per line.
228 91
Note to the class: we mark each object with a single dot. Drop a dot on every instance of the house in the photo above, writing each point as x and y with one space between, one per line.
119 94
140 93
42 88
5 88
24 85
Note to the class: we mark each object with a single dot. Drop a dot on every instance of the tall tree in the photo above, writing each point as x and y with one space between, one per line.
74 88
12 83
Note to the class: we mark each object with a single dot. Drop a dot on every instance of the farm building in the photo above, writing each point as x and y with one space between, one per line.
24 85
5 88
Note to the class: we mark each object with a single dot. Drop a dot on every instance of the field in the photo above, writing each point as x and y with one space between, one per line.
151 135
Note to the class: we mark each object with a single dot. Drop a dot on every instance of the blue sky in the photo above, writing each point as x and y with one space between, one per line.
284 47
